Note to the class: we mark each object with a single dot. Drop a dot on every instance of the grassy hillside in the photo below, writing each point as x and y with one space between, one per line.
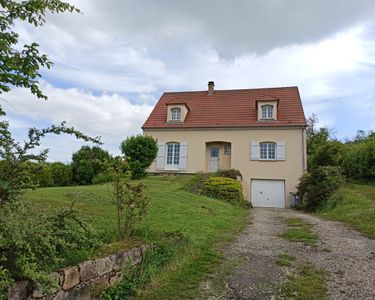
355 205
203 222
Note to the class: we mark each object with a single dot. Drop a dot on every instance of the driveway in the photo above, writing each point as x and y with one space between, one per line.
346 256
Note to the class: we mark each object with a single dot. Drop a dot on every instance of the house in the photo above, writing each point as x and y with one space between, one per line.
260 132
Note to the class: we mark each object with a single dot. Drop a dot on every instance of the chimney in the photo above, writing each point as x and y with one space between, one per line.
211 86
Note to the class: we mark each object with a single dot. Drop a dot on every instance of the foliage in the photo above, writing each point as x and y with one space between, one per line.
355 156
315 137
197 182
33 241
318 185
130 201
61 174
102 177
20 68
328 154
140 151
15 168
231 173
359 158
227 189
353 204
88 162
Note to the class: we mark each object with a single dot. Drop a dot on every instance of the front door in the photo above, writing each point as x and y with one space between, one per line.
213 164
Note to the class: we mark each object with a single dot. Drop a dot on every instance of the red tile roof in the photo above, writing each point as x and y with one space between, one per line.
229 108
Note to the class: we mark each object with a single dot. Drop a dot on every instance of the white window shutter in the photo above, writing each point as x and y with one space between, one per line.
280 151
254 151
160 160
183 155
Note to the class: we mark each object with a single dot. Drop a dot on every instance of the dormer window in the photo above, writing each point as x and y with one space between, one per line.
267 112
176 114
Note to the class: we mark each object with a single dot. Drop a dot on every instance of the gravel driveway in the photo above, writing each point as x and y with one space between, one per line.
346 256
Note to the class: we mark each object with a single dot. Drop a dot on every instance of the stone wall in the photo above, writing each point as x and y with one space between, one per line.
77 282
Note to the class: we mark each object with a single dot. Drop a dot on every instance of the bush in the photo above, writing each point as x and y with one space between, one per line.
140 151
223 188
102 177
33 242
359 159
231 173
318 185
328 154
61 174
197 182
89 162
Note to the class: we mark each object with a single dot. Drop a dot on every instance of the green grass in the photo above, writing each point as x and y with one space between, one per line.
308 283
299 231
353 204
205 223
285 260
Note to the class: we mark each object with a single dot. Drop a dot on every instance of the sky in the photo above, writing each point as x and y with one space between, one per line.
113 61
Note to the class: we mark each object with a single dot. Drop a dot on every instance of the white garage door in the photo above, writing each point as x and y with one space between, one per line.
268 193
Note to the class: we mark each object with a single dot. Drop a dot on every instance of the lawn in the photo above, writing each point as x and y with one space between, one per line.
203 222
353 204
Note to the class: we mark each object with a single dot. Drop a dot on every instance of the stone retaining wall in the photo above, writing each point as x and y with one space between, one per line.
78 281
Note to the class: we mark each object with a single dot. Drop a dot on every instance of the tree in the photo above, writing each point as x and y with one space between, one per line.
315 137
31 240
20 68
328 154
88 162
140 151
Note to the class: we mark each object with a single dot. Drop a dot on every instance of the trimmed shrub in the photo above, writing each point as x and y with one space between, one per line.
231 173
226 189
318 185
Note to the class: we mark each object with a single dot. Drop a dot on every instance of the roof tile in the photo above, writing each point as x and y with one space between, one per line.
229 108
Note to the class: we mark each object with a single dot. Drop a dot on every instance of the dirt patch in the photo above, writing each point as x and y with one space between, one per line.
343 254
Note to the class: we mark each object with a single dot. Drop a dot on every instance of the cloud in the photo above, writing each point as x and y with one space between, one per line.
110 116
232 28
113 61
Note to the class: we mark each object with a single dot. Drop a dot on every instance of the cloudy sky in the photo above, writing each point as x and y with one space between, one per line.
113 61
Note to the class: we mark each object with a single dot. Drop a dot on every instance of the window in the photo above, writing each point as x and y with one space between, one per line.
267 112
214 152
176 114
227 149
268 151
173 154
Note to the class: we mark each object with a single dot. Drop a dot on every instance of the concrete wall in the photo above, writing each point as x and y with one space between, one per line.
289 170
77 282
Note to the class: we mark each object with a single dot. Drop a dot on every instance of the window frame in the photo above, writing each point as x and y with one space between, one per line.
267 112
227 149
176 113
172 155
270 148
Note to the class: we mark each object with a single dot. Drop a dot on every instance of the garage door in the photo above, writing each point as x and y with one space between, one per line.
268 193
